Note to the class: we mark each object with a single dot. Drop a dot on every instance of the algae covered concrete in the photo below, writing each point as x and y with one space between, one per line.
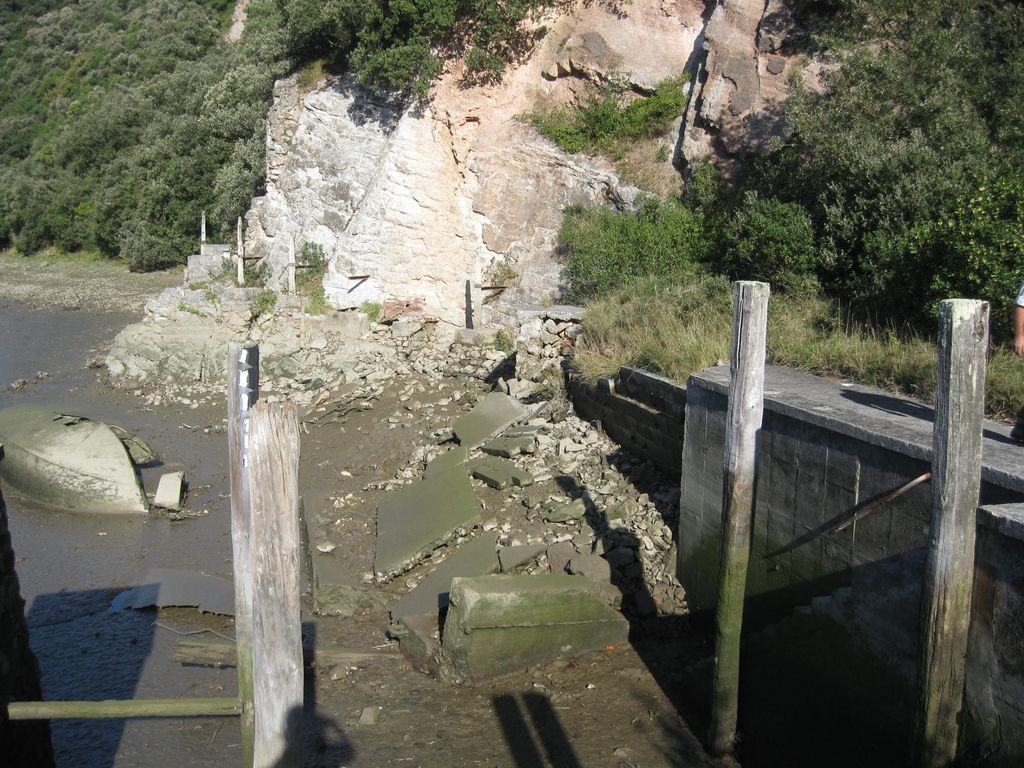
502 624
492 414
420 517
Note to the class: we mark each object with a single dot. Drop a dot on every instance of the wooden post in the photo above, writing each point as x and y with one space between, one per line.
240 250
202 228
956 481
291 266
743 421
243 392
277 625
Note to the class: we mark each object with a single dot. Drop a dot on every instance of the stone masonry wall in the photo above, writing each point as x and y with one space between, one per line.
638 410
23 744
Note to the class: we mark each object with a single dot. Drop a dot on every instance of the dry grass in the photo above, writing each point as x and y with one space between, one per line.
678 328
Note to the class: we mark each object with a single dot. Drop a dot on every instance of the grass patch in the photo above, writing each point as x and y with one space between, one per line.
371 309
263 303
611 117
192 310
676 327
309 281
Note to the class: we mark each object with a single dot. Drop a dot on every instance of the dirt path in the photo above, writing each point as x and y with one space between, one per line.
238 18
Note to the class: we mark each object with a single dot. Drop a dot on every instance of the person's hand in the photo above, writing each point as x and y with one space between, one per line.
1018 345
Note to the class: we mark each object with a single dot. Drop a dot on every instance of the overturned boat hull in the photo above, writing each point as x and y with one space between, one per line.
68 462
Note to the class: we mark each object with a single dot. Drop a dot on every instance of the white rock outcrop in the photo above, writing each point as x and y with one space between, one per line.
423 202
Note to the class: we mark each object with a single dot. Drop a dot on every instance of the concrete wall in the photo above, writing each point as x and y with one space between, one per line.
24 744
639 410
994 726
825 447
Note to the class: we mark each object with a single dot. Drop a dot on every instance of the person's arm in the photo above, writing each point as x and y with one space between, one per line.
1018 329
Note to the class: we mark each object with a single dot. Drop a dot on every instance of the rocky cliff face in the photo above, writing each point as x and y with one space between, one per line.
435 201
742 79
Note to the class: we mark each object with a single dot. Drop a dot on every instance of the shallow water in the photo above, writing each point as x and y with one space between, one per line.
70 565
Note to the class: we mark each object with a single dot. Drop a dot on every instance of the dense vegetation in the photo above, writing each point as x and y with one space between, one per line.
122 120
395 46
899 187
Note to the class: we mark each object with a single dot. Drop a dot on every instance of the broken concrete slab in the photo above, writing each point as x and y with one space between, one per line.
502 624
511 558
456 457
508 446
170 587
566 513
420 517
559 555
488 417
477 557
170 490
498 473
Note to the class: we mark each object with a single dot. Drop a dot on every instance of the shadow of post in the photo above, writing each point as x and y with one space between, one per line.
557 748
324 741
86 653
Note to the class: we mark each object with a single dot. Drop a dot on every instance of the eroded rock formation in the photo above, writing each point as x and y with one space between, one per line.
413 203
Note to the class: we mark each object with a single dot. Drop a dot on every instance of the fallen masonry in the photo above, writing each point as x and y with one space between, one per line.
501 624
420 517
498 473
491 415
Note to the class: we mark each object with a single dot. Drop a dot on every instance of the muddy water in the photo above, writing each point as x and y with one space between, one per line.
71 565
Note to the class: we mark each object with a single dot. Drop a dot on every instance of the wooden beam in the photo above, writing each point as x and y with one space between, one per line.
949 575
743 422
291 265
242 393
59 710
277 624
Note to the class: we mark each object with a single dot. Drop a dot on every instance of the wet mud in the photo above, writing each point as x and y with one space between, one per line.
368 709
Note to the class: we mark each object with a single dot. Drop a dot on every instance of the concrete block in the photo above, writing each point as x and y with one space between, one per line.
508 446
456 457
348 325
511 558
559 555
565 513
476 337
477 557
502 624
420 517
498 473
170 490
487 418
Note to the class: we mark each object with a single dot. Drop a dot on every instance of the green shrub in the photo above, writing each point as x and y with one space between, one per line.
483 66
610 115
605 249
769 240
263 303
371 309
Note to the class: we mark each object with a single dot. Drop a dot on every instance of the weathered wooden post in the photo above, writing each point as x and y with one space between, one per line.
243 392
291 265
743 421
277 625
202 228
956 481
240 250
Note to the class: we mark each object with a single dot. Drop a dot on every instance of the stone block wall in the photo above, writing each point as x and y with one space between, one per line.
638 410
994 723
825 447
23 744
